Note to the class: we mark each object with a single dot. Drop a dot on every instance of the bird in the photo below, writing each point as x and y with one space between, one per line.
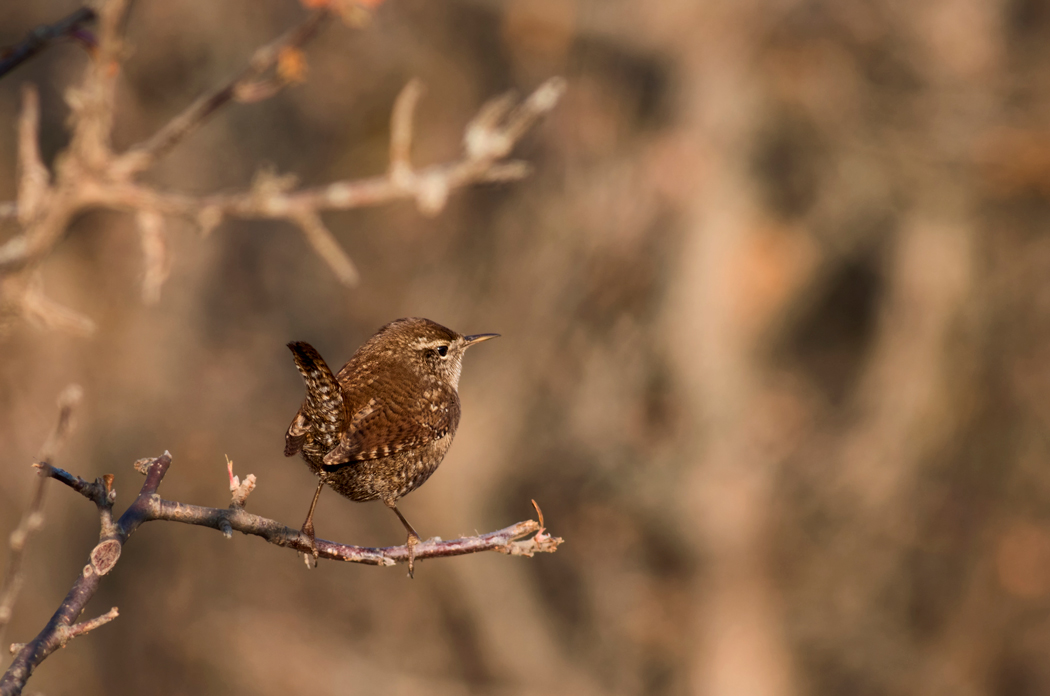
379 428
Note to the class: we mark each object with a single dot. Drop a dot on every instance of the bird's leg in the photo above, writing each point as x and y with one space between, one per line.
310 559
413 537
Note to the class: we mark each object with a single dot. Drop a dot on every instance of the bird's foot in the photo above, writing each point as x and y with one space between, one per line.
306 534
413 540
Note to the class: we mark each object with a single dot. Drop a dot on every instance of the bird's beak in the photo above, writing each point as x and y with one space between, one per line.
477 338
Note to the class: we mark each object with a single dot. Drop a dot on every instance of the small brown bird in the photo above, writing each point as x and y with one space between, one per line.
380 428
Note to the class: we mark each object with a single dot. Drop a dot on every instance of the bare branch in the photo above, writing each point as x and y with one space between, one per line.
142 156
511 540
43 36
522 539
89 175
33 518
477 166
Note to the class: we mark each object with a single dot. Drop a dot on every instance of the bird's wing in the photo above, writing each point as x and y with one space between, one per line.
380 429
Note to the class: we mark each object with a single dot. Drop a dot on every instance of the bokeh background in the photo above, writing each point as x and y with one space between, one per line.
775 309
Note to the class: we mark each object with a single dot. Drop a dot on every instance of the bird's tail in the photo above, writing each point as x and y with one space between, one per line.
323 410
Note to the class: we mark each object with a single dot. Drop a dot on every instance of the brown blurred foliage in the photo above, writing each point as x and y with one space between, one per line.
775 308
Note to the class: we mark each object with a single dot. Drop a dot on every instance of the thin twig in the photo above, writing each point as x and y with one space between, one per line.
43 36
325 246
79 629
33 518
143 155
521 539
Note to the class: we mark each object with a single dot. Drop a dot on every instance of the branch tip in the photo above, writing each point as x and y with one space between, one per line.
539 513
325 246
401 131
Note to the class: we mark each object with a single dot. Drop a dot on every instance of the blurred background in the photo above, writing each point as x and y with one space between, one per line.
775 310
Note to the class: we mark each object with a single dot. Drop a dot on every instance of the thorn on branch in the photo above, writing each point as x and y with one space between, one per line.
325 245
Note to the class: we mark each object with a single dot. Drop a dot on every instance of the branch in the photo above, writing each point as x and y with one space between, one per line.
143 155
92 103
521 539
71 26
511 540
33 518
89 175
487 141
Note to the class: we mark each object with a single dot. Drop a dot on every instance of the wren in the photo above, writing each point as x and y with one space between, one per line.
380 428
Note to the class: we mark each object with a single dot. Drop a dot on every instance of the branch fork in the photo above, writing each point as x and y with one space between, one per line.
522 539
90 175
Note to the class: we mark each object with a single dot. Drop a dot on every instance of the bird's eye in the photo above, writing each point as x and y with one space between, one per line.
442 350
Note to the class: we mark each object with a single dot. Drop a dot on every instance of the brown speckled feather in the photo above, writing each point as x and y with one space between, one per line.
385 394
399 409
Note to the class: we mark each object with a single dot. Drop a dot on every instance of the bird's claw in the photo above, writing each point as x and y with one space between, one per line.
310 555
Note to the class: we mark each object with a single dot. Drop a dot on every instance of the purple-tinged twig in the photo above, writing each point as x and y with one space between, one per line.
44 35
521 539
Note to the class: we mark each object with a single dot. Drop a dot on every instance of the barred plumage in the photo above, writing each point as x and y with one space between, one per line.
381 427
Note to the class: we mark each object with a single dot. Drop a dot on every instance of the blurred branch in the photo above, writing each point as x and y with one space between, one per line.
33 518
90 175
521 539
140 157
41 37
